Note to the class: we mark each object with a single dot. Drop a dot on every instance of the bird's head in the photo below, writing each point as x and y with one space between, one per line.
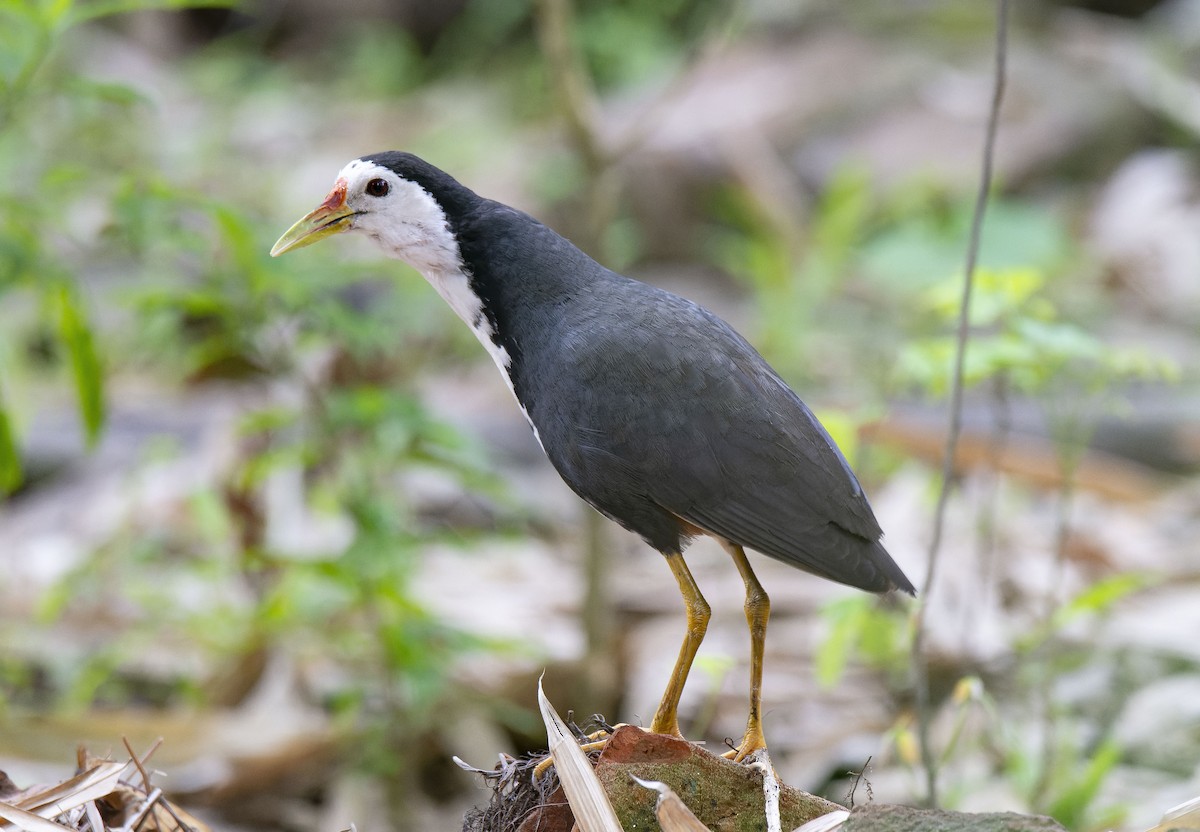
396 199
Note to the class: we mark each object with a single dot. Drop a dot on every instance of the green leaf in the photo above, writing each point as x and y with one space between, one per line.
1097 599
1071 807
238 238
83 11
121 94
998 294
1060 341
1100 596
10 458
921 249
846 619
76 335
843 214
843 428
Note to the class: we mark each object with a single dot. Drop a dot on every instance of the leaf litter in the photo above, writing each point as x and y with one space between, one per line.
103 795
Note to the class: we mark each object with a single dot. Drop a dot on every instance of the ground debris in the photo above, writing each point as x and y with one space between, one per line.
103 795
717 790
517 794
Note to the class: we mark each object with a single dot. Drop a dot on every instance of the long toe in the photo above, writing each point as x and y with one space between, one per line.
752 742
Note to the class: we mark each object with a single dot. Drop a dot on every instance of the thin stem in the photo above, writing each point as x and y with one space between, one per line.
1045 697
576 98
1071 438
573 85
954 428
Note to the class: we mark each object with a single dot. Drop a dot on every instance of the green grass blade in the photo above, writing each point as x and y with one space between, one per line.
10 458
96 9
76 335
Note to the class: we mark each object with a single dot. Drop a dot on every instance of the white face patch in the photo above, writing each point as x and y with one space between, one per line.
409 225
407 221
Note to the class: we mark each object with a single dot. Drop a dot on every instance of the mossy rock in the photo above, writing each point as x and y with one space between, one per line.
876 817
725 796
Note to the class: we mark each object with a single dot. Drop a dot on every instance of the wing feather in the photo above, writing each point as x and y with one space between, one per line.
652 412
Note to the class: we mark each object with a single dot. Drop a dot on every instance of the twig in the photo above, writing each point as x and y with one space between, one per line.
858 778
651 114
998 446
576 91
576 96
146 806
180 822
133 757
928 761
154 746
1071 446
574 87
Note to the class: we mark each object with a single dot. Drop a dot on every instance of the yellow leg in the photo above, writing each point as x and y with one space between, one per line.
666 719
758 610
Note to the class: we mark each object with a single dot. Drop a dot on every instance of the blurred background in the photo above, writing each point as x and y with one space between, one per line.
284 514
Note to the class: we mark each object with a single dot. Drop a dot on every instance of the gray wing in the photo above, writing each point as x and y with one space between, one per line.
722 442
773 480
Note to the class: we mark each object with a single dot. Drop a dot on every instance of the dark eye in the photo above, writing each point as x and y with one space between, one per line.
377 187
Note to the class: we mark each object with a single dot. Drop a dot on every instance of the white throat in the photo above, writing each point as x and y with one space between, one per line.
455 288
410 225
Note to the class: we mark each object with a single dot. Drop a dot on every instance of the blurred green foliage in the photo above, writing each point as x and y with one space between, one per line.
1018 332
1020 341
865 303
797 280
622 42
141 251
54 176
1060 774
862 630
862 303
121 255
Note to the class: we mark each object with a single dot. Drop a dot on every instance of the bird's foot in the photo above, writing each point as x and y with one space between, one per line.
752 747
595 741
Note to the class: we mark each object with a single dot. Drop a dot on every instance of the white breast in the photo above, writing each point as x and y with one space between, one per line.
455 288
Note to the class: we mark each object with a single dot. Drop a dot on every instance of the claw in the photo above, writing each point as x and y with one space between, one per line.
753 742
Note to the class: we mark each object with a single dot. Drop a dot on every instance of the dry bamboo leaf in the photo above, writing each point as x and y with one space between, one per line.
95 783
672 813
825 823
93 815
27 821
1184 816
589 803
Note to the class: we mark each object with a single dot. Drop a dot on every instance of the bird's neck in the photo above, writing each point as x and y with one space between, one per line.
513 282
455 286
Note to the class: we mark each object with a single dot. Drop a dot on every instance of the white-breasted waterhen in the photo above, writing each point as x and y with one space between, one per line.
653 409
